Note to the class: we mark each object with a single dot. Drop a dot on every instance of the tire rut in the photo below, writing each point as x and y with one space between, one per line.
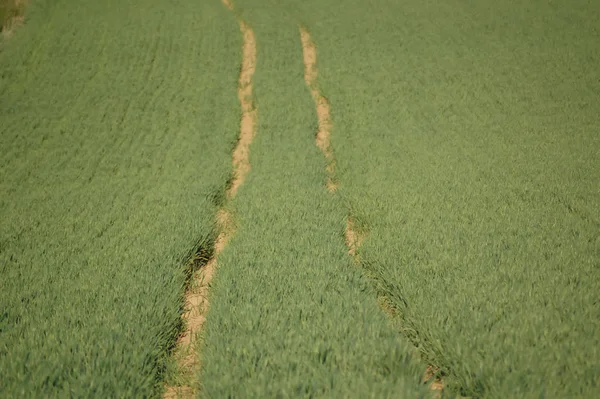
323 135
354 237
196 298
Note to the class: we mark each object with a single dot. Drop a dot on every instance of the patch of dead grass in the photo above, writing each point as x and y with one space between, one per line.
11 16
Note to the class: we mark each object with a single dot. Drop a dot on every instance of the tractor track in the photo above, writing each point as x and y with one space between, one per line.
196 298
353 236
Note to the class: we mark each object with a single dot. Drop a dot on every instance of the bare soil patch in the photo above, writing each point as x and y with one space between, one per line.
241 158
354 240
436 384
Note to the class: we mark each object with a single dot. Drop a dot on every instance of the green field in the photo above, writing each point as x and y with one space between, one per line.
290 316
466 143
114 153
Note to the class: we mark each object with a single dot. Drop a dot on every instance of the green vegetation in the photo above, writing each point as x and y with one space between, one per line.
116 128
466 142
290 315
466 138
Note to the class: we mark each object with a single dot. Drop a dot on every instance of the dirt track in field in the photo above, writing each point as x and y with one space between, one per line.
353 237
353 240
323 135
241 159
196 298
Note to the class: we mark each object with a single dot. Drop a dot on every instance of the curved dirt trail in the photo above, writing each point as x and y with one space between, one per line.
323 135
241 161
196 299
354 237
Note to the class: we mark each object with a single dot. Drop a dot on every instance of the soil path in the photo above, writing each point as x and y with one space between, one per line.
323 135
196 298
241 160
354 237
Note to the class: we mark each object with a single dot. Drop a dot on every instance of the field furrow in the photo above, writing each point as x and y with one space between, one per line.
354 235
323 136
197 303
